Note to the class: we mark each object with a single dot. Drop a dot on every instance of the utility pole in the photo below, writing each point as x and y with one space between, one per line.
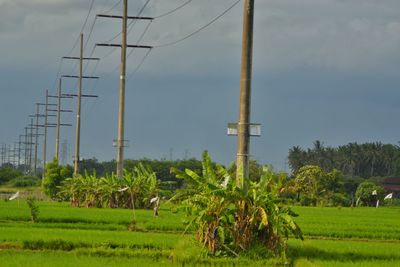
59 111
45 125
19 150
26 150
79 96
58 120
30 144
3 154
36 137
121 110
45 133
78 116
243 140
64 151
9 154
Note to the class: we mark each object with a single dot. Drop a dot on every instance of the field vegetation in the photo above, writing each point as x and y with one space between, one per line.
205 218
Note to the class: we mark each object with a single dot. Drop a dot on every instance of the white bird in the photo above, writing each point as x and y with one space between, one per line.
389 196
14 196
154 199
123 189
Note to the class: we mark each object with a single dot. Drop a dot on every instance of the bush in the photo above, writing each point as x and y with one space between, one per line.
25 181
54 176
7 174
364 193
308 201
339 199
33 208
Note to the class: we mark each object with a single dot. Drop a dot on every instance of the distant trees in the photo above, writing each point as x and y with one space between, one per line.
353 160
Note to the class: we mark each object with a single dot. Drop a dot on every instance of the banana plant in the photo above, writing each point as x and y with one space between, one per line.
233 219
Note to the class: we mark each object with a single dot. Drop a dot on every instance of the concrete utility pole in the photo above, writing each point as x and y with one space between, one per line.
243 141
121 111
78 114
58 120
79 104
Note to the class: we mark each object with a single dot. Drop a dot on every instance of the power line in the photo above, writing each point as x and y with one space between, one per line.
83 27
140 64
200 29
113 7
131 24
173 10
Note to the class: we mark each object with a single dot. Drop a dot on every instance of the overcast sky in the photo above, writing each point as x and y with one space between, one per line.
323 69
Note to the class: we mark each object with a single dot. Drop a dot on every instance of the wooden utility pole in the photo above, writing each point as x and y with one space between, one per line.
79 96
243 141
121 110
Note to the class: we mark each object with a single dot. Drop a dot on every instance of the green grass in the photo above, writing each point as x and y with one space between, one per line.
66 236
90 238
62 213
344 253
363 223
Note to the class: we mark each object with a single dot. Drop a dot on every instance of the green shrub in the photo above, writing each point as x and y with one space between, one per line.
34 208
54 176
25 181
308 200
7 174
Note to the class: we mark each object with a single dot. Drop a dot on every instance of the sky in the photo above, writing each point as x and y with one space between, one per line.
323 70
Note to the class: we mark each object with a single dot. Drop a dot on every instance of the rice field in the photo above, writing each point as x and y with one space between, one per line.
66 236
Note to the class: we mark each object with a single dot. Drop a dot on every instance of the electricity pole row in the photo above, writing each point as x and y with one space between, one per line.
121 113
3 154
46 124
79 96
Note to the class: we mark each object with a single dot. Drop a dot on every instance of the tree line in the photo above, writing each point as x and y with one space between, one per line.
352 160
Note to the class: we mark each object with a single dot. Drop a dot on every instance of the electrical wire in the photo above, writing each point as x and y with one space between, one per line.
83 27
130 27
131 24
140 64
173 10
113 7
200 29
137 43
